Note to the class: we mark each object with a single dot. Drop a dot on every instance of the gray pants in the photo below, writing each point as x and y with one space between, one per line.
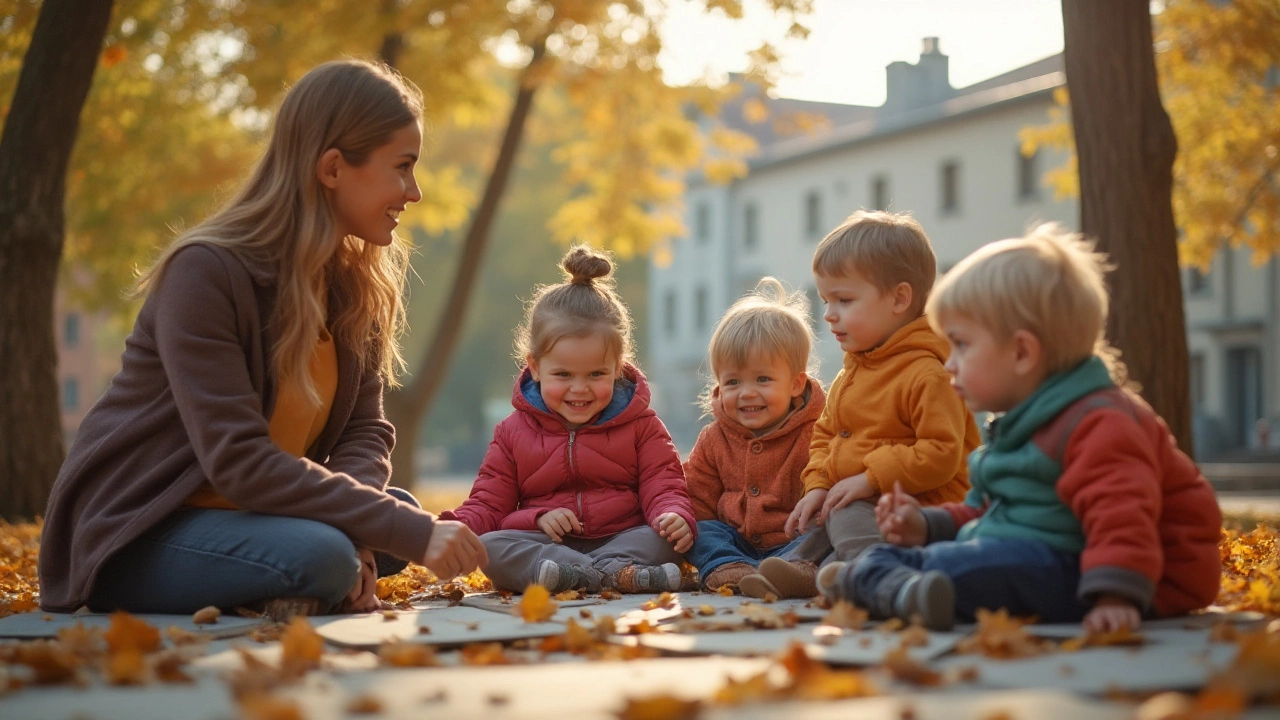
848 532
514 555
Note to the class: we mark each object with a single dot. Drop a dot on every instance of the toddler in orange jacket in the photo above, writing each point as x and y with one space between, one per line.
744 471
891 415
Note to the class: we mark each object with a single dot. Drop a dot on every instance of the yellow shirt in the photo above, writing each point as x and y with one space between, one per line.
295 423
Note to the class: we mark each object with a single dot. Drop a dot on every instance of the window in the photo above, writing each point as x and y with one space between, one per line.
950 186
1028 175
669 313
1195 373
880 193
71 330
700 309
702 222
70 394
1244 392
750 227
812 214
1197 281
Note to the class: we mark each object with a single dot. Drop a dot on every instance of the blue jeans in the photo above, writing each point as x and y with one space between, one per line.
719 544
1027 577
197 557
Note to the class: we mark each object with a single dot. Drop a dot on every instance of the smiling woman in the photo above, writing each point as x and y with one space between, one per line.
241 457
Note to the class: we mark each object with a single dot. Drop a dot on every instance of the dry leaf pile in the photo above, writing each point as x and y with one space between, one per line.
19 551
1251 570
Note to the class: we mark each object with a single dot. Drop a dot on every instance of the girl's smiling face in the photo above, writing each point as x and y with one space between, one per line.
367 199
577 376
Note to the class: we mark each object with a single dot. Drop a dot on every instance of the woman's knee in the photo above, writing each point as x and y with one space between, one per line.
321 563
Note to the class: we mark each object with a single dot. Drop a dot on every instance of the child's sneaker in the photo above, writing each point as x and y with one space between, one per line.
646 578
790 579
728 574
930 595
557 577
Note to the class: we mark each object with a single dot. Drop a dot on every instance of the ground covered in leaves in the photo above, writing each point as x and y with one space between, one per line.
130 652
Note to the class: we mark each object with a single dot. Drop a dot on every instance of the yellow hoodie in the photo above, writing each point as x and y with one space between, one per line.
892 413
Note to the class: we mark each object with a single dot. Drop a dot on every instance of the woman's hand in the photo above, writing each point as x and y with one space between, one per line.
453 550
558 523
676 530
809 508
364 596
900 520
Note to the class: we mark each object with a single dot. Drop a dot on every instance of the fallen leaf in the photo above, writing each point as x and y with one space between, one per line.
206 615
907 669
659 707
1001 636
402 654
568 595
536 605
364 705
610 594
300 648
261 706
725 590
846 615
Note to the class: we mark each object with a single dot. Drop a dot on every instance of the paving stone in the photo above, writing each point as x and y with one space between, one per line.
1038 704
28 626
823 642
445 626
1171 660
206 699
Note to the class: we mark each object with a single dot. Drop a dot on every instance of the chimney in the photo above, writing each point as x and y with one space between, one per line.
916 85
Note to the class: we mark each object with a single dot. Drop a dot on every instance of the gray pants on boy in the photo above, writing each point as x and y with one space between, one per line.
848 532
514 555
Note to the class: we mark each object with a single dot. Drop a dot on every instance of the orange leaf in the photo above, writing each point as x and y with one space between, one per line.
536 605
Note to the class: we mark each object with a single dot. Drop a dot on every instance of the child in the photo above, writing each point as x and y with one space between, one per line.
241 454
891 414
744 471
1082 505
581 487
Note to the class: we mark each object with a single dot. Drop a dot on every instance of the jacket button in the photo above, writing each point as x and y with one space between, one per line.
844 433
755 491
757 447
755 539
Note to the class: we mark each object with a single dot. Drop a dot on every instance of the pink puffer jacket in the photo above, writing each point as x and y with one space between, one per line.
615 475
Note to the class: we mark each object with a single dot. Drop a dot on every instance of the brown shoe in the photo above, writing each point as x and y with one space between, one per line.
757 586
728 574
792 579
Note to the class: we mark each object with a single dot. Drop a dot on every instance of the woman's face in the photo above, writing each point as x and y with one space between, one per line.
368 199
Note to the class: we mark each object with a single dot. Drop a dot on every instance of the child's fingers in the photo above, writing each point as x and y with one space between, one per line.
899 496
575 524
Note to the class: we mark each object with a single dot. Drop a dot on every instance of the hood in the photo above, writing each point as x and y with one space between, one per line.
912 340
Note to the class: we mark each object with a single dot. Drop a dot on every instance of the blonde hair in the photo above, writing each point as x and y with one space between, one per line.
586 302
282 216
767 322
1049 282
886 248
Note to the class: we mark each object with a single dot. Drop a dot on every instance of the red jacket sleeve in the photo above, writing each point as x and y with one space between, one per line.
496 491
662 484
1110 481
703 478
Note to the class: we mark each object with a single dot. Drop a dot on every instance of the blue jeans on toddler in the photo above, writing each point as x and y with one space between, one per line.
719 544
1027 577
197 557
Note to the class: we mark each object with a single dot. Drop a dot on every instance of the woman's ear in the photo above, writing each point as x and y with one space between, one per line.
327 167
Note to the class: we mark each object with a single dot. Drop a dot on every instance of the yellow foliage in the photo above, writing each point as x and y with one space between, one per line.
536 605
1213 61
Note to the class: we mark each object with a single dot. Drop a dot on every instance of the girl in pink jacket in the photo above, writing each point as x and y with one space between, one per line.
581 487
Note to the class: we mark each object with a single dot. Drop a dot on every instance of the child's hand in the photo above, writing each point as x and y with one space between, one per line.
453 550
558 523
848 490
899 519
809 508
676 530
1112 613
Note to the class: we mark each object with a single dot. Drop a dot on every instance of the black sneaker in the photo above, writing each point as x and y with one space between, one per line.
558 578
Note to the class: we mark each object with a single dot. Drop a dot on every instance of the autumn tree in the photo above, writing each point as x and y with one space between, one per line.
35 149
626 137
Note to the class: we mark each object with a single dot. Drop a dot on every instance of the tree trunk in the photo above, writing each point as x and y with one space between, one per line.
34 152
407 406
1126 146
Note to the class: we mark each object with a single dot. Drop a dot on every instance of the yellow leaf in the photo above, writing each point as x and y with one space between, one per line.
536 605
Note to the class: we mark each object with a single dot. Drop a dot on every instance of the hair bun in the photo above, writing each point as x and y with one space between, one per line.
583 264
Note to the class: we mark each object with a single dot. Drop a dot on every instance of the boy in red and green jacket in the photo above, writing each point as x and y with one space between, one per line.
1082 506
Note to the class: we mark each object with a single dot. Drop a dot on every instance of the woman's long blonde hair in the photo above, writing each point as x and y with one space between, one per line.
281 216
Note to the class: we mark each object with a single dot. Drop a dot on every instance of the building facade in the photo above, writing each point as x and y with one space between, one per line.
951 157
